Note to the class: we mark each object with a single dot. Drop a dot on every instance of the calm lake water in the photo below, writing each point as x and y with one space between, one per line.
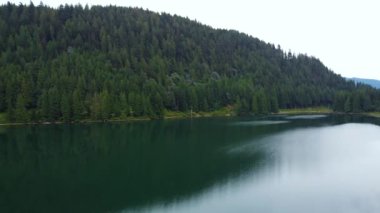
269 164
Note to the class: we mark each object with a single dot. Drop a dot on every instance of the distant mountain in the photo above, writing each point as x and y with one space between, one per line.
372 82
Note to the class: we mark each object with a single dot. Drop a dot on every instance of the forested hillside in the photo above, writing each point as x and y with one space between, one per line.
75 63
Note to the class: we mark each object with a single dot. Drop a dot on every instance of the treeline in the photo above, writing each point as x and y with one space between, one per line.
75 63
365 99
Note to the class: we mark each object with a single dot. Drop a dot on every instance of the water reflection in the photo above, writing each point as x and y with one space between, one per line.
108 167
202 165
308 171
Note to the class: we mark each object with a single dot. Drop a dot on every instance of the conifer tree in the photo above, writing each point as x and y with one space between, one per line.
21 115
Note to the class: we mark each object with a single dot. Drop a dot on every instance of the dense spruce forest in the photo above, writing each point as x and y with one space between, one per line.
74 63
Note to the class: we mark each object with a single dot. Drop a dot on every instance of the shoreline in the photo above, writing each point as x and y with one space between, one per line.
172 115
225 112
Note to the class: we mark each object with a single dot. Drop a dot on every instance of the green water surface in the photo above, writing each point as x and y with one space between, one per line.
267 164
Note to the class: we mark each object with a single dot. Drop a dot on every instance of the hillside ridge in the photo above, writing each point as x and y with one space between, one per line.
74 63
372 82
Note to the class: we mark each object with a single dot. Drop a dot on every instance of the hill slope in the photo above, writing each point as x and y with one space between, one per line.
76 63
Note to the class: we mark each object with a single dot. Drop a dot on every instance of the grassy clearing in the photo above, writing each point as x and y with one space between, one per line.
374 114
222 112
309 110
176 114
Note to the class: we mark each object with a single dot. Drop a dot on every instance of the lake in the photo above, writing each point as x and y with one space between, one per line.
306 163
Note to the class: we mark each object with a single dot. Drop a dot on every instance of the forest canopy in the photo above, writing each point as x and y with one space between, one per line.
75 62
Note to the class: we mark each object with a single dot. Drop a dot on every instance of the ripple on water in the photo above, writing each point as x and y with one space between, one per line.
259 123
295 117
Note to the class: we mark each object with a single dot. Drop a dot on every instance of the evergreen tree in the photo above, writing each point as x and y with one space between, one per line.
21 115
367 105
243 107
105 105
157 105
356 107
255 105
193 100
78 105
339 102
347 105
96 109
262 100
274 104
44 106
54 104
66 107
124 107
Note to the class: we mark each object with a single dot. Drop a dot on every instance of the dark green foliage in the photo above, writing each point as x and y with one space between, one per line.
105 105
339 102
262 101
43 106
73 63
78 105
123 106
255 105
274 104
242 107
21 115
66 108
157 106
357 101
348 105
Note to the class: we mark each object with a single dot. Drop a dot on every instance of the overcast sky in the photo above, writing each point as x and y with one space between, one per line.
344 34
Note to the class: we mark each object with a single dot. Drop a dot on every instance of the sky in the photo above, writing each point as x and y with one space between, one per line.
343 34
